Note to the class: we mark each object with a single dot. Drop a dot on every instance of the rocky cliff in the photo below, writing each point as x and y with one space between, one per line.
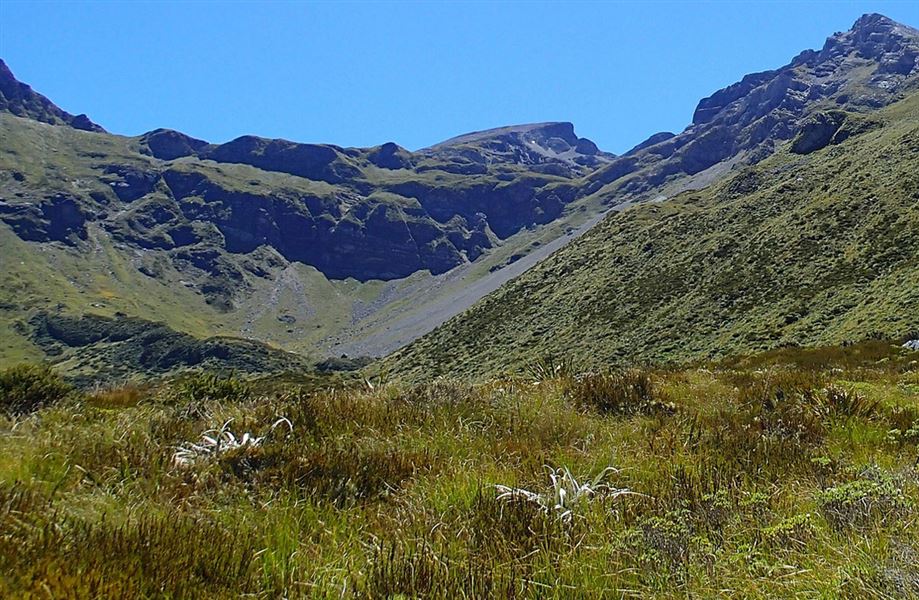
365 213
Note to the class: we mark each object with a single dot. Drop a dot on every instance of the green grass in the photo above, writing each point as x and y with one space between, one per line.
762 481
810 250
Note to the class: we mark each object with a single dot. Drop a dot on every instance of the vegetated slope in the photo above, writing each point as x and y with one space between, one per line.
752 481
799 249
293 244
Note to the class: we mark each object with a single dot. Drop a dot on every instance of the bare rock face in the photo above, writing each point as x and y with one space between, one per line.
538 144
818 131
21 100
59 218
391 156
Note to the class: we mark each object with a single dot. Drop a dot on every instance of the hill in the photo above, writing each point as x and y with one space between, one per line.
329 251
813 248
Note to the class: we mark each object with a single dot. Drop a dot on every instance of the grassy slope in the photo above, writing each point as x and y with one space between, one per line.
753 483
800 249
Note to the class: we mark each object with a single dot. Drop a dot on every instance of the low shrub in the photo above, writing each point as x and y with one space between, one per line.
796 530
863 502
624 392
118 397
26 388
849 403
212 386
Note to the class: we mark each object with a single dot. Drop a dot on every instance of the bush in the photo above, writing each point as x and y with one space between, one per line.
211 386
849 403
26 388
625 392
796 530
862 503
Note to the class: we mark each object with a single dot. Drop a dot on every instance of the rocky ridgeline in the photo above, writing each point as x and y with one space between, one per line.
385 212
368 213
863 69
21 100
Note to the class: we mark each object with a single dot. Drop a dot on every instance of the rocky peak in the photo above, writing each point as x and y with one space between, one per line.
529 144
875 37
858 71
874 24
168 144
21 100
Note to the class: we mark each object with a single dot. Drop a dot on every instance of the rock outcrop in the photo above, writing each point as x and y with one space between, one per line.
365 213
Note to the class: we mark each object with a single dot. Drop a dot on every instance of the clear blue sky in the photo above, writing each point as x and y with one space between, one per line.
359 74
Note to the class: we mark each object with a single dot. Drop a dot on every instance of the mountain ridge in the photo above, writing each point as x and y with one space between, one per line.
318 247
798 249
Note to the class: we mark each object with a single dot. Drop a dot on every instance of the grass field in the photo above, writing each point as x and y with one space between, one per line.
789 474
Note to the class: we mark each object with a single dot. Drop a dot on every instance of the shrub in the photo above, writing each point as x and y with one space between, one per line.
550 367
212 386
862 502
26 388
774 388
796 530
666 540
344 475
625 392
118 397
849 403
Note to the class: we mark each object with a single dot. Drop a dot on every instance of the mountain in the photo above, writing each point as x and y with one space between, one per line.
310 247
807 235
19 99
329 251
856 72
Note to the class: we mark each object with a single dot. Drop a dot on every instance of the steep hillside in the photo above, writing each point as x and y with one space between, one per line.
799 249
309 247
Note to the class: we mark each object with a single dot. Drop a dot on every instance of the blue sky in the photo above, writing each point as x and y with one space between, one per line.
359 74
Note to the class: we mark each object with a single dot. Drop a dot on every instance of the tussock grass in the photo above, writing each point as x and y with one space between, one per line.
763 482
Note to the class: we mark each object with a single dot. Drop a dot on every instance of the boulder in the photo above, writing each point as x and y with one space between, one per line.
817 131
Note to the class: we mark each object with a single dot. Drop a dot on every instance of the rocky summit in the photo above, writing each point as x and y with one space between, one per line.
19 99
819 92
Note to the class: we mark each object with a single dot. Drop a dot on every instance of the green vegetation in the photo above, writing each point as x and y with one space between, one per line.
797 250
26 388
776 475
